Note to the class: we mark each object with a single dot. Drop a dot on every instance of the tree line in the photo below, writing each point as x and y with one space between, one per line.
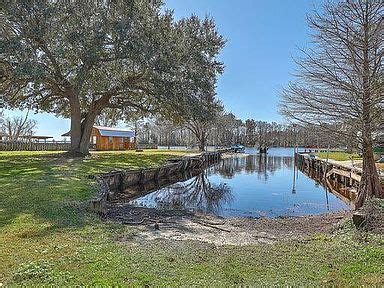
227 130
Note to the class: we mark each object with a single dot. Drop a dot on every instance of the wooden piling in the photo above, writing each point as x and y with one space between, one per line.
331 172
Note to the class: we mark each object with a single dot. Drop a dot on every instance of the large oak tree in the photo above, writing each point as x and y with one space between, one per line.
78 58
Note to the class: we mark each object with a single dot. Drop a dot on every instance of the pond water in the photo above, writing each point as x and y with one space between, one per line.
248 186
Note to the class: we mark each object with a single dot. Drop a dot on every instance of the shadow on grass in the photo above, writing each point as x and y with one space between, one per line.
54 189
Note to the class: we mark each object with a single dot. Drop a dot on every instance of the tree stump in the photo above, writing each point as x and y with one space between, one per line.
359 218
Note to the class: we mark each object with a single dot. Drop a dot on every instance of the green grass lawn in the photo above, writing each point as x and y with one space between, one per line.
340 156
48 237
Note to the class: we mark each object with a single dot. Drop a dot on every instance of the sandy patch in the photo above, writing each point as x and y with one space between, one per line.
179 225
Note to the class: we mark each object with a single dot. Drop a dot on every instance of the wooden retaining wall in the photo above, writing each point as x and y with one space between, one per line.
111 183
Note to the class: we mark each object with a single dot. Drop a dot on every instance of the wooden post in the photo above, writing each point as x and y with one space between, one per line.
326 163
295 156
351 171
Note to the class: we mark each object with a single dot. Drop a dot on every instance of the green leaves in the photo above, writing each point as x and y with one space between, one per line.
130 49
80 58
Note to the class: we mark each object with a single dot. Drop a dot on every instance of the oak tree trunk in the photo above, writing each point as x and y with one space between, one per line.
75 123
80 145
81 129
86 132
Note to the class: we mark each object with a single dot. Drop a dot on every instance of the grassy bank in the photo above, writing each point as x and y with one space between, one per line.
340 156
48 237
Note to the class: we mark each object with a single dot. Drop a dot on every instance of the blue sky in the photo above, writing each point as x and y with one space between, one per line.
263 37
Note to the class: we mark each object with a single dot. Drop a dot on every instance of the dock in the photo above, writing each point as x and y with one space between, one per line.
341 177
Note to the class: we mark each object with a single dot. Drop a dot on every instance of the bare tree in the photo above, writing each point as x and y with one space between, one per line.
17 127
164 129
201 117
109 117
1 117
340 79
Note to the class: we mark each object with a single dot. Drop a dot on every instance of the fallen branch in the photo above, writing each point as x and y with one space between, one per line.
212 226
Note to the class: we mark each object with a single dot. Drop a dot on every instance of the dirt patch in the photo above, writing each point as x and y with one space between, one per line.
180 225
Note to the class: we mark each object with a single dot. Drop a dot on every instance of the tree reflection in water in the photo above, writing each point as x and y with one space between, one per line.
263 166
256 186
198 193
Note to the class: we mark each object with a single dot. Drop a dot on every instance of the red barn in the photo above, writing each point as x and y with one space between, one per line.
108 138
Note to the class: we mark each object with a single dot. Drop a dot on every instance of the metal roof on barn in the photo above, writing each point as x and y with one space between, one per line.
114 132
111 132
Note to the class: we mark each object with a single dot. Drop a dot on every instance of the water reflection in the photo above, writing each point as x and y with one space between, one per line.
198 194
263 166
345 193
251 186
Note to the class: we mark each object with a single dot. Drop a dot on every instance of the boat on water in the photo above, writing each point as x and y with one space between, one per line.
238 148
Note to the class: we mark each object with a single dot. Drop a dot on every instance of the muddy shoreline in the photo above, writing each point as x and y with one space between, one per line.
179 225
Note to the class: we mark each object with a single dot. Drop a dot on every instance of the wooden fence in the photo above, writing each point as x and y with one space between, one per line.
146 146
34 146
